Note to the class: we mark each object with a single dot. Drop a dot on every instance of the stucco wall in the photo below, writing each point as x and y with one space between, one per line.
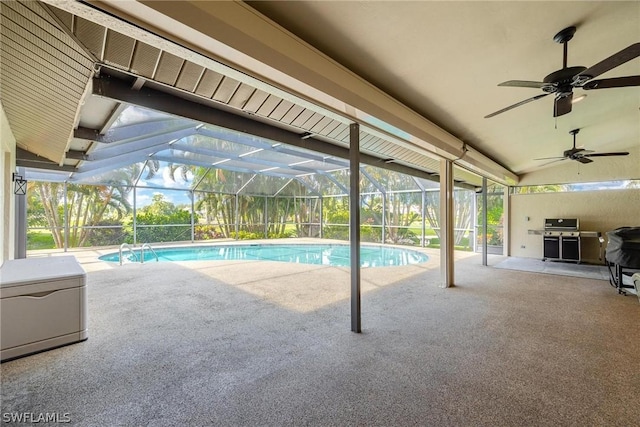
597 211
7 165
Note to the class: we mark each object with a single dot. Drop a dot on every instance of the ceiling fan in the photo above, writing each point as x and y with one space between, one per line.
580 154
563 81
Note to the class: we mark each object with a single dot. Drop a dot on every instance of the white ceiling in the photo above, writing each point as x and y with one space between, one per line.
445 59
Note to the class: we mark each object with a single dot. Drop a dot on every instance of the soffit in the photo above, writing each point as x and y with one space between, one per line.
43 77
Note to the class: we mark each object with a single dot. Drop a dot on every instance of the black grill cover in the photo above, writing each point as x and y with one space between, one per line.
623 247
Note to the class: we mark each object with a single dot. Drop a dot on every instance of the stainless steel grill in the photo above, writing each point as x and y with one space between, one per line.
561 239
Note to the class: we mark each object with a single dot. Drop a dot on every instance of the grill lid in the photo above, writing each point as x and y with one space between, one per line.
561 224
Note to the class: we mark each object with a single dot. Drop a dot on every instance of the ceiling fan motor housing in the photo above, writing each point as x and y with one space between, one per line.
573 153
562 79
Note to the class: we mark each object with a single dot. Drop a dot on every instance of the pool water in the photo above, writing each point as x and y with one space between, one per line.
317 254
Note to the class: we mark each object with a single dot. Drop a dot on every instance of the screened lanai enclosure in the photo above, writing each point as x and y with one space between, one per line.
154 177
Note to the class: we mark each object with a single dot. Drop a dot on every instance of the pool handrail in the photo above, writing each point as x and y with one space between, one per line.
148 246
126 246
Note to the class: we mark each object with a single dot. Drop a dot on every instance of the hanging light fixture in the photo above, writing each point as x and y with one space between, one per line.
19 184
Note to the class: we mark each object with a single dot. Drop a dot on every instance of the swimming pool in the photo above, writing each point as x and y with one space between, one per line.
317 254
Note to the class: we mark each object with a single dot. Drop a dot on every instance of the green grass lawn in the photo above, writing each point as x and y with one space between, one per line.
40 239
43 239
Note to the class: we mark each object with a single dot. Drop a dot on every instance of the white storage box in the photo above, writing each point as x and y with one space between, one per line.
43 305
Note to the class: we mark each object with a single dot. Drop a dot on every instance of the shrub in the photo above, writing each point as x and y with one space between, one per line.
114 235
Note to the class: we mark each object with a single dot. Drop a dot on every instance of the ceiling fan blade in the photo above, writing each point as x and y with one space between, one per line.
526 101
584 160
612 82
550 158
626 54
619 153
523 83
555 161
562 105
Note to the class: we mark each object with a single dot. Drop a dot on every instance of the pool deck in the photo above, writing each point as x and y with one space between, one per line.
258 343
283 284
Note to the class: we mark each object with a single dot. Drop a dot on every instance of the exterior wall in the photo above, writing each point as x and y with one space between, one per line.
597 211
7 199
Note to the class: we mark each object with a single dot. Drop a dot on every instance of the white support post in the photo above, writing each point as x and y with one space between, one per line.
474 226
506 223
446 223
485 217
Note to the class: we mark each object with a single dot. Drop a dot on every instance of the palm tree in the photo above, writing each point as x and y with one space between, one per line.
462 212
211 199
87 205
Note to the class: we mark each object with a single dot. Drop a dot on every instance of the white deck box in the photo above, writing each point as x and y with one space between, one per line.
43 305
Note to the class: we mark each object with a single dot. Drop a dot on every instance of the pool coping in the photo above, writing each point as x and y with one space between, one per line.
88 257
273 243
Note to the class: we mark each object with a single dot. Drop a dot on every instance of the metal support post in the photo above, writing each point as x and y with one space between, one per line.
354 224
20 224
66 217
237 218
266 218
321 215
193 216
135 221
424 217
384 217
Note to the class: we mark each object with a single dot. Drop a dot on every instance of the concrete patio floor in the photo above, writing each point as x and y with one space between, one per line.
269 343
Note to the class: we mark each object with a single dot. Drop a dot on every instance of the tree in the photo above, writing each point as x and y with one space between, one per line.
495 214
86 206
214 201
336 212
50 194
532 189
157 222
462 212
37 215
401 201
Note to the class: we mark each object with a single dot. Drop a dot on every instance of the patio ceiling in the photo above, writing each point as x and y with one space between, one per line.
74 130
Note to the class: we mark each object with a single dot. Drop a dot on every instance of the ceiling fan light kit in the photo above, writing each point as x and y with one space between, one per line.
563 81
579 98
